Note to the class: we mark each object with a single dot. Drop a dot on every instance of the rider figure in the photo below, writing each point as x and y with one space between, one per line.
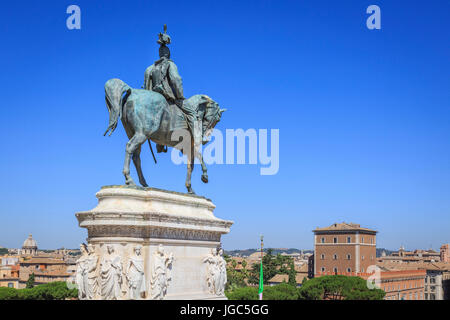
163 77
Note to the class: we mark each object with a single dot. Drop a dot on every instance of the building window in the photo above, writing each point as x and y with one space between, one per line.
349 270
322 240
349 256
349 239
362 269
335 240
323 269
362 257
362 239
335 270
10 285
322 256
335 257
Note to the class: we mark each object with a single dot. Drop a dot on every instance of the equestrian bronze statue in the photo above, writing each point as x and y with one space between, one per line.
159 112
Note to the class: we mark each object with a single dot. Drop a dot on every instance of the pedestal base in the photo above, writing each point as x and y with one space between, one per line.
146 243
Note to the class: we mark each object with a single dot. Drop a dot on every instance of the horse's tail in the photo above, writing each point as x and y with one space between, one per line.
114 90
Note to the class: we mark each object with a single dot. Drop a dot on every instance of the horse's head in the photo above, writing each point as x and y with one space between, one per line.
211 117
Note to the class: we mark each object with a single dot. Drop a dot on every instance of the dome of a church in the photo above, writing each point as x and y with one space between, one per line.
29 243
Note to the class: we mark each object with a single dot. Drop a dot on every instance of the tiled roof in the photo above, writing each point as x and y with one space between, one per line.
279 278
414 266
303 268
344 226
39 260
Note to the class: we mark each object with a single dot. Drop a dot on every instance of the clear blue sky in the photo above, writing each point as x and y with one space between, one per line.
363 114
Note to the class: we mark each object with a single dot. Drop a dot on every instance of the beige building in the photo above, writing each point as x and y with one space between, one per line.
417 255
343 248
9 272
47 267
445 253
437 276
45 270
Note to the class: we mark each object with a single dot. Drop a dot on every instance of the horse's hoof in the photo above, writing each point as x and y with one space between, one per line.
144 184
190 190
130 183
205 178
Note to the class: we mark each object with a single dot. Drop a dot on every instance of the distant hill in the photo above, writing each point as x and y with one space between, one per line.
275 251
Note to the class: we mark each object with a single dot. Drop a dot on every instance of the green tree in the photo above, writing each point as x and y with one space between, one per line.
282 291
245 293
227 258
30 281
50 291
336 287
269 269
292 275
235 279
8 293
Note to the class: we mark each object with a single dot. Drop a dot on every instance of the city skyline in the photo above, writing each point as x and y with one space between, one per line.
363 115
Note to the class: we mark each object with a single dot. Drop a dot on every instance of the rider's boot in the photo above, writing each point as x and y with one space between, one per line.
161 148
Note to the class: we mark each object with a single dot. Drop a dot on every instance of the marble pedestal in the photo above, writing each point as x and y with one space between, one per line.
177 235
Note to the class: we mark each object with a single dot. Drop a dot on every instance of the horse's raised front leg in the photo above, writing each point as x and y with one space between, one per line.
132 145
190 167
137 164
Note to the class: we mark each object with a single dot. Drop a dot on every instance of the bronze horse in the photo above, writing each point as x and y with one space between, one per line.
146 116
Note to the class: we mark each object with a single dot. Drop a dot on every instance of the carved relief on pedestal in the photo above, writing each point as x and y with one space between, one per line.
135 275
92 274
155 232
161 273
81 274
216 273
111 275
